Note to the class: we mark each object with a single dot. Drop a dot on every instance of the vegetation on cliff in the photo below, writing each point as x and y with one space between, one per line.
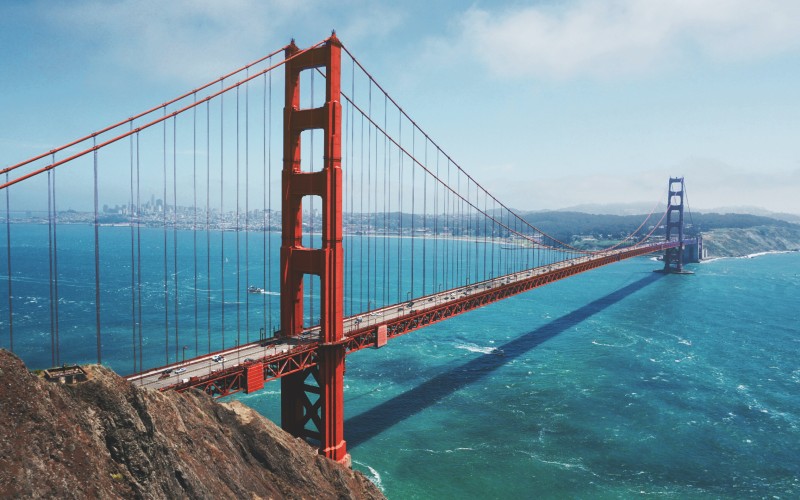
107 438
730 242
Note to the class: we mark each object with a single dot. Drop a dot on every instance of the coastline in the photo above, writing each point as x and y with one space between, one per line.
749 256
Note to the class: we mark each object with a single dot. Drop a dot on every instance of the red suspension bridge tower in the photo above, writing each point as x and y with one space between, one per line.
312 400
674 257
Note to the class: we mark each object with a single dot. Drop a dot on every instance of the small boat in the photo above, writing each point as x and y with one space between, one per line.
255 289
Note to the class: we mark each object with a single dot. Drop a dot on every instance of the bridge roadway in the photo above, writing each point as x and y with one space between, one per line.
281 356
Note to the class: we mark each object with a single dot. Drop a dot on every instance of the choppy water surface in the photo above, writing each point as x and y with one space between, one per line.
615 383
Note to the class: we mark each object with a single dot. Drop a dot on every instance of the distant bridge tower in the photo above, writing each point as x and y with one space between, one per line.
673 257
312 400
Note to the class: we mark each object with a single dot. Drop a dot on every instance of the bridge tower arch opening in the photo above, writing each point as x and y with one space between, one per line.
312 400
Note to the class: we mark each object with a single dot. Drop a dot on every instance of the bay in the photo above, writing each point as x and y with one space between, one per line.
615 383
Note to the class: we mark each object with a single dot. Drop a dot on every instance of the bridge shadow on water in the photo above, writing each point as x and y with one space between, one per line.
370 423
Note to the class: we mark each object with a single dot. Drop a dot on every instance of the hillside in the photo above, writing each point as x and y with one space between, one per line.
565 225
725 235
735 242
106 438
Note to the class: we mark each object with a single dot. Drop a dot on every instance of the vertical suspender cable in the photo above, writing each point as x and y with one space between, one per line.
386 166
425 220
456 254
133 265
347 193
371 217
526 249
355 307
50 265
236 227
175 227
247 206
447 256
465 235
515 265
361 217
466 232
506 257
457 242
222 211
208 224
501 238
399 270
269 170
529 247
413 202
374 210
457 224
448 242
55 268
164 226
485 236
474 232
194 226
138 251
460 210
96 258
8 268
436 228
350 171
494 226
265 227
369 259
347 300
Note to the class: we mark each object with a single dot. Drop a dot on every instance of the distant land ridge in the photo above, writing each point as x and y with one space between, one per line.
635 208
725 235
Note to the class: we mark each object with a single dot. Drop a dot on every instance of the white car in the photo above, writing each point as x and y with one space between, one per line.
217 358
180 370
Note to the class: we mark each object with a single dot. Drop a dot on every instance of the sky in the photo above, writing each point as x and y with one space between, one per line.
549 104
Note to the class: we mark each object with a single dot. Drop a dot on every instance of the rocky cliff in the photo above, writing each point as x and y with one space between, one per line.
737 242
105 438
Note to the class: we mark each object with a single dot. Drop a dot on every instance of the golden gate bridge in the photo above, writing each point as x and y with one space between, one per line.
381 233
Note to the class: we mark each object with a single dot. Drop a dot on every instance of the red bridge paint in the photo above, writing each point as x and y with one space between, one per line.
314 394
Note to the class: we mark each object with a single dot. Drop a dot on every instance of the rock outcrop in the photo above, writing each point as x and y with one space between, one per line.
106 438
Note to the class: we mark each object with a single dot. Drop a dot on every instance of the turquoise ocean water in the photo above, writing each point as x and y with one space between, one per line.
615 383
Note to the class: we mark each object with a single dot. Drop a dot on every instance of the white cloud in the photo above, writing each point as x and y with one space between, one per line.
603 38
180 40
373 21
192 41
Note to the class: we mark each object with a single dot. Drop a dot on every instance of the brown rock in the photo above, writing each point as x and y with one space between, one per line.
106 438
